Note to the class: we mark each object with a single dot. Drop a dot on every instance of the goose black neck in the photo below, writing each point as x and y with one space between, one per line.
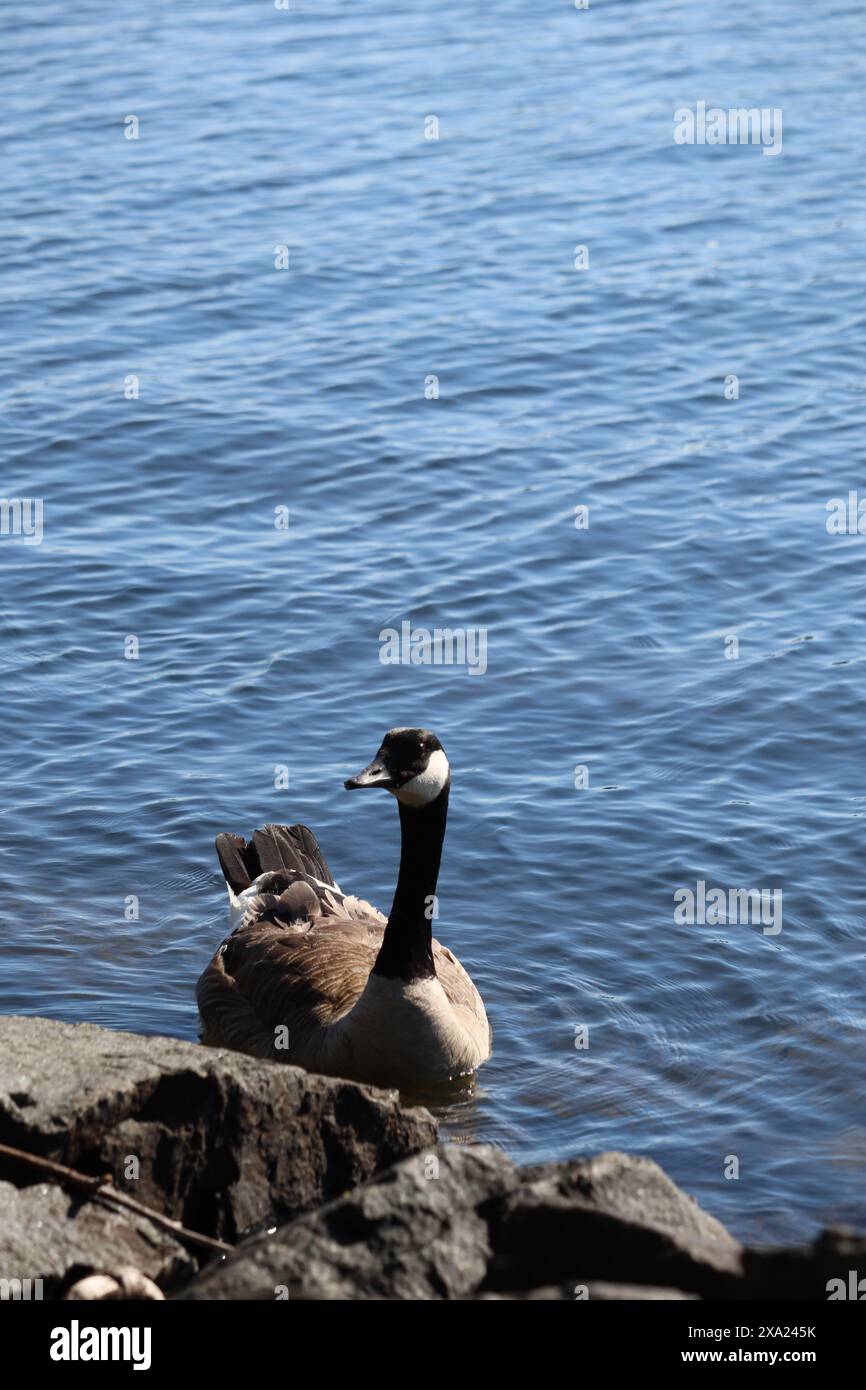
406 952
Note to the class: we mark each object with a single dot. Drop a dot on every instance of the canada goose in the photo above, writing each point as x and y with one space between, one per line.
318 978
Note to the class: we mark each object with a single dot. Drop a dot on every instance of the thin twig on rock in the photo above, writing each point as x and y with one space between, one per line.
105 1192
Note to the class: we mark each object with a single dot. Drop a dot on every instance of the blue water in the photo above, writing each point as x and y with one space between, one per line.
607 647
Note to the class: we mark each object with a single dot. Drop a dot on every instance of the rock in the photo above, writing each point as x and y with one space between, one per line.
50 1236
611 1219
485 1229
223 1142
405 1235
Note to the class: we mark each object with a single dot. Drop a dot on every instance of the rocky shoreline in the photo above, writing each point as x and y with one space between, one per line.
329 1190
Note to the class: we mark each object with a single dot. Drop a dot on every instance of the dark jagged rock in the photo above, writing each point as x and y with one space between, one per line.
614 1219
223 1142
483 1225
607 1228
48 1235
419 1232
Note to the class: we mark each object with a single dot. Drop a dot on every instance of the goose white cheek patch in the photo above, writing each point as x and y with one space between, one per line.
418 791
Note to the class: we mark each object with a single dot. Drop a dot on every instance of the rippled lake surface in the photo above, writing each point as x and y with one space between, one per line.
165 387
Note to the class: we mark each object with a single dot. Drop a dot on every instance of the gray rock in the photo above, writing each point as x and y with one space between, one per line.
406 1235
224 1142
610 1219
46 1234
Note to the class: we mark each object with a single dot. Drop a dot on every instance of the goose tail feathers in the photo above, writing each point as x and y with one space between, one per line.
288 849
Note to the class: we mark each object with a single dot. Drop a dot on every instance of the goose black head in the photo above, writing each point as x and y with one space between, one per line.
411 764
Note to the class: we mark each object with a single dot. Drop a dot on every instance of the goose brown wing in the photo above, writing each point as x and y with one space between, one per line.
278 972
301 978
